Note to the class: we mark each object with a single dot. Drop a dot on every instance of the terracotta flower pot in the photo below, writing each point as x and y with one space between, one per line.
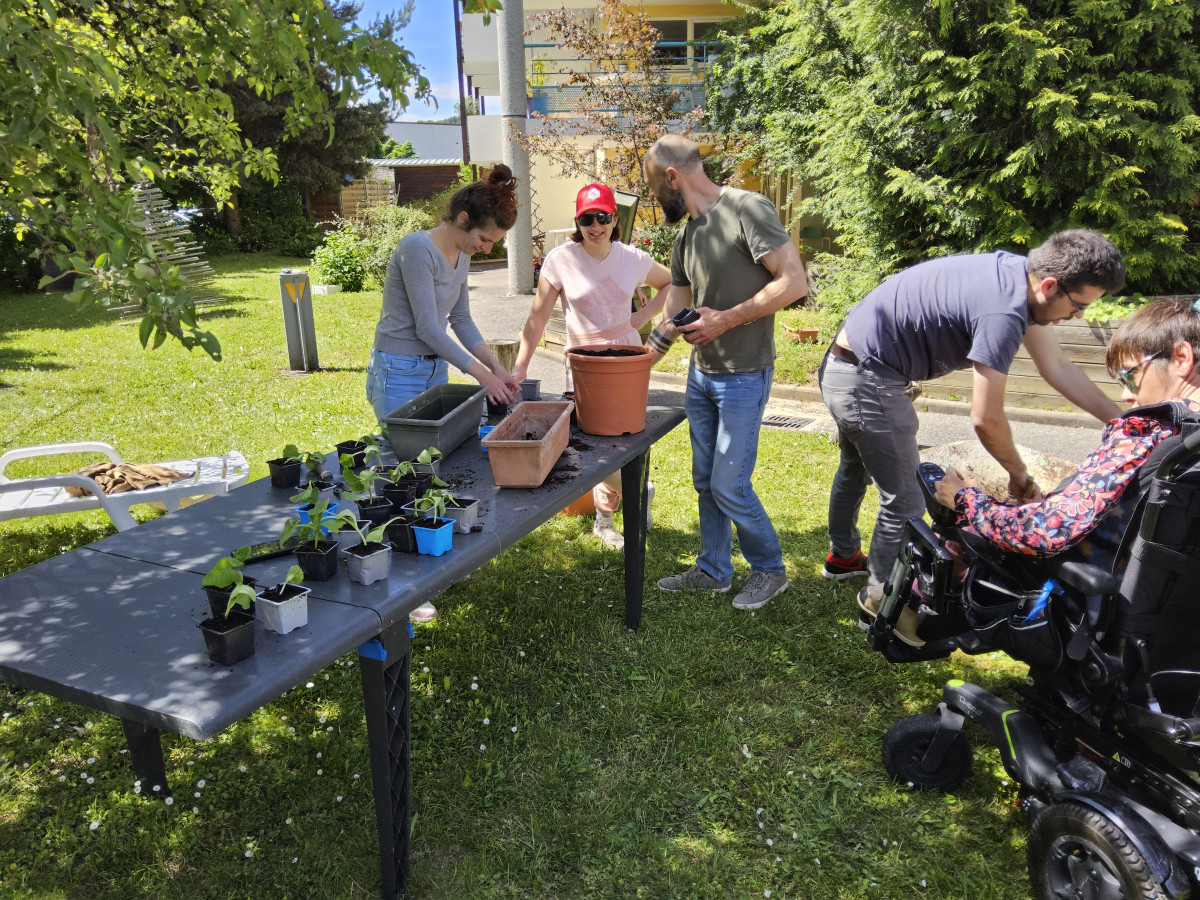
612 387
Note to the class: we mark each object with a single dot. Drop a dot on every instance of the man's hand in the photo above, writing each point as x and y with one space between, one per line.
711 325
1022 487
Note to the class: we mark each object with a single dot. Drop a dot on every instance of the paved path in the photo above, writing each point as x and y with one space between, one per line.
501 315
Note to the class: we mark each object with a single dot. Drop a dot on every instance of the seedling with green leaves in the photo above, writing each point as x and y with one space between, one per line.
294 576
314 529
359 485
291 451
435 500
228 573
346 519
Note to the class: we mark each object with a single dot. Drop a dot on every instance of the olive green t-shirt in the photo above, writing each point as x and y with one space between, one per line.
717 255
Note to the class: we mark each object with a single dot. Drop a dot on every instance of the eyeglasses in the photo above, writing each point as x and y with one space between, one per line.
1078 308
587 219
1126 376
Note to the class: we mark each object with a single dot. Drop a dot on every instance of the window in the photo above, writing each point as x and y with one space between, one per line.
705 34
672 49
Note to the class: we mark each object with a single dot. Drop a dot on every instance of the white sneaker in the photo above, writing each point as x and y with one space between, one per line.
426 612
608 534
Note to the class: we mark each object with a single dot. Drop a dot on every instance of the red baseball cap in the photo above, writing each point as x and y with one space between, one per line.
595 196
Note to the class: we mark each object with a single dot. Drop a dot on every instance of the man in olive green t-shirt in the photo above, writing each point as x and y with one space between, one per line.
734 262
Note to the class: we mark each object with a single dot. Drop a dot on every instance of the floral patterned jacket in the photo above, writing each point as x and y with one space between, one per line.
1068 514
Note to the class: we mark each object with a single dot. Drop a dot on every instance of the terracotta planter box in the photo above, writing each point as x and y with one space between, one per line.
612 387
525 446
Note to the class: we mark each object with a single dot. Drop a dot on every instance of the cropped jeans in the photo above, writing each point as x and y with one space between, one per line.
393 380
724 413
877 439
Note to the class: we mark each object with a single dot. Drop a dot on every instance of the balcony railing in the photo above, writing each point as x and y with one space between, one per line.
684 63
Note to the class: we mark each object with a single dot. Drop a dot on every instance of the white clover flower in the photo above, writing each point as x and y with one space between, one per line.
818 859
330 728
200 783
356 776
482 747
320 771
770 842
521 653
425 669
241 768
291 730
318 754
95 826
759 811
487 721
745 751
157 788
196 810
196 794
760 826
310 685
923 884
170 801
191 762
91 760
339 798
287 821
249 853
474 686
513 729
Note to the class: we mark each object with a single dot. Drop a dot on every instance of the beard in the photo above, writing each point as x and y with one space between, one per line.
673 205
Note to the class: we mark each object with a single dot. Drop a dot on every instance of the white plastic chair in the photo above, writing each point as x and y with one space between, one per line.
46 494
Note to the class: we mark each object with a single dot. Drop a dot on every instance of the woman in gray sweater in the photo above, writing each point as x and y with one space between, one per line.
426 289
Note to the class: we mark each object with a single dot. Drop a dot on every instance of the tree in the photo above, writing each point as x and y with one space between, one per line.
90 86
623 95
959 126
390 148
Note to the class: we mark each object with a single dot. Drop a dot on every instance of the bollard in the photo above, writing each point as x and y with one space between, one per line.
296 297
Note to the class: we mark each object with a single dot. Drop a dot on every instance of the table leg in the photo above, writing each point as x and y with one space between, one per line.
633 496
389 729
145 752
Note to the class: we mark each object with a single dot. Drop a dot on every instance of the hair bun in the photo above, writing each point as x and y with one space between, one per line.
501 175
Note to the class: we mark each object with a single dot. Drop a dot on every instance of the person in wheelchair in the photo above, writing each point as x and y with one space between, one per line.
1154 355
1095 587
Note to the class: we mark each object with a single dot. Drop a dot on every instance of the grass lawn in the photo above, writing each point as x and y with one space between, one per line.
711 754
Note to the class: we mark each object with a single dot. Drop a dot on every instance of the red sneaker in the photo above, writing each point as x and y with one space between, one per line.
840 569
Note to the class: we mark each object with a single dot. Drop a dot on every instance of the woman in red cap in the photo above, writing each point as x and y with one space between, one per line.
596 276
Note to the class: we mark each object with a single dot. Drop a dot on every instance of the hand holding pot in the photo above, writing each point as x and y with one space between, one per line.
710 326
501 386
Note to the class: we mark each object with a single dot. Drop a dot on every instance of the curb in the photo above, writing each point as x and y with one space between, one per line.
804 394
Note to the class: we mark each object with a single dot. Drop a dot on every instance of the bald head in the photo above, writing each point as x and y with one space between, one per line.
675 151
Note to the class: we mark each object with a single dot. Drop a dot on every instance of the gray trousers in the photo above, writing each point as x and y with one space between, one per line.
877 437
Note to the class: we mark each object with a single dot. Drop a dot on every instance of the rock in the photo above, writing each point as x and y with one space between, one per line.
973 462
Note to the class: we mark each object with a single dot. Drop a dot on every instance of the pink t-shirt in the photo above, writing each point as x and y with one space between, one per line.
596 295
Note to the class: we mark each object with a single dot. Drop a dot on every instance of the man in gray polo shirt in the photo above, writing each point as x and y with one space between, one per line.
735 261
935 317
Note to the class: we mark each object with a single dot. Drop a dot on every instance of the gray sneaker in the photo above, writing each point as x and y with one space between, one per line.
694 579
760 588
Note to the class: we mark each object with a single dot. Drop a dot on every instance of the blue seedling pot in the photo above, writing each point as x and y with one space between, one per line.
434 536
484 431
302 513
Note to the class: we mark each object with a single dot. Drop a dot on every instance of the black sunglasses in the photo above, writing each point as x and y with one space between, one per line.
1079 307
1126 376
587 219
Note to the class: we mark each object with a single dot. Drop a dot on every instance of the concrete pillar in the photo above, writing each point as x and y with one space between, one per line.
510 40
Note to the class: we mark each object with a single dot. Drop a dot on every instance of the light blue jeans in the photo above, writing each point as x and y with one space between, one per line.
725 414
393 380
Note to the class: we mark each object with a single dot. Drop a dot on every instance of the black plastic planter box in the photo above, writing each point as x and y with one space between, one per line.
400 535
319 564
218 599
285 473
229 639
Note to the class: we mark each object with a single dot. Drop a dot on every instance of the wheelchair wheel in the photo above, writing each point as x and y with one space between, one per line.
905 744
1075 851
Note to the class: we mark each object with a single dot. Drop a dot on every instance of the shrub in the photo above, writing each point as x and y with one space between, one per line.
341 260
19 268
657 240
836 283
380 229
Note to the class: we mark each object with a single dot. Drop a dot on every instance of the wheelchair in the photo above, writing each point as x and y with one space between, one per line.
1103 738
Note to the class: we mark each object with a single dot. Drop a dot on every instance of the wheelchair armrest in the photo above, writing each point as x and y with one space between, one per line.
1086 578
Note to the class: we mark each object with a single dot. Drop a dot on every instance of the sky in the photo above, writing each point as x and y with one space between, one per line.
430 39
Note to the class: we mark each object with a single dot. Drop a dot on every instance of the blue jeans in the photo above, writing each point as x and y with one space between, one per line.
877 438
394 380
725 414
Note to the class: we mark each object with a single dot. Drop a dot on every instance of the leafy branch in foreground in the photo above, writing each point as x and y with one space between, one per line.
103 94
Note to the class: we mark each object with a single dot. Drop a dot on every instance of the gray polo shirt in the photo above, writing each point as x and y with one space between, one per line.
422 292
942 315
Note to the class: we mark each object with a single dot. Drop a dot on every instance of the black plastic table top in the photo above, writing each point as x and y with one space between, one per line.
112 626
